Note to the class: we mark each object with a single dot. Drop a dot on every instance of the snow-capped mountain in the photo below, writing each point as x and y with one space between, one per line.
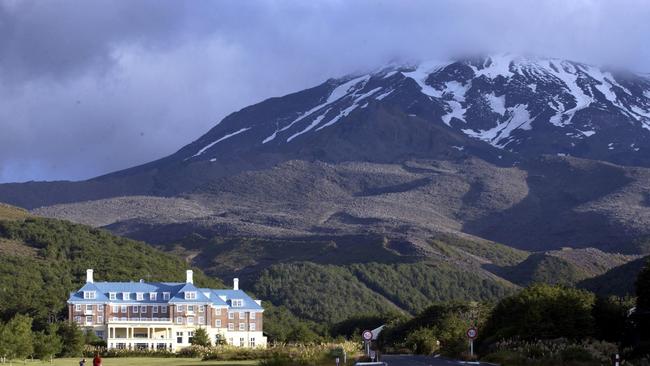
511 103
502 109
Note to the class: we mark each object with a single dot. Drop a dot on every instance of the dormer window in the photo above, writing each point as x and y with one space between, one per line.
237 303
90 295
190 295
153 296
112 295
126 295
165 295
139 296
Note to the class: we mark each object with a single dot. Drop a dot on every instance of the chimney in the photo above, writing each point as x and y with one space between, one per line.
89 276
190 276
235 284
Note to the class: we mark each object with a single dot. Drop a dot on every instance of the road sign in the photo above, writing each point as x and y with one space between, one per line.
472 333
367 335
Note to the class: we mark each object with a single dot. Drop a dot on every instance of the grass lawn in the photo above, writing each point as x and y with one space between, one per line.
141 361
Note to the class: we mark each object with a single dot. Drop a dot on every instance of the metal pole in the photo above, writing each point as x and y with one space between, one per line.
617 361
471 348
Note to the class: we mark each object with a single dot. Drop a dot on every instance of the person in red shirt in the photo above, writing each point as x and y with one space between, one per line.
97 361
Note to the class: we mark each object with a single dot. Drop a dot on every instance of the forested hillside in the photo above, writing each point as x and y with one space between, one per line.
44 259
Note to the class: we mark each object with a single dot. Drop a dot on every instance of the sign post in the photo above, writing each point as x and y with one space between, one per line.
367 337
338 361
472 333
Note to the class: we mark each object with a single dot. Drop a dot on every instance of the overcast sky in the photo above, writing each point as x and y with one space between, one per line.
89 87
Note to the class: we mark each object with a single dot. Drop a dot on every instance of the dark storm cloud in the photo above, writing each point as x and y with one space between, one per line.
87 87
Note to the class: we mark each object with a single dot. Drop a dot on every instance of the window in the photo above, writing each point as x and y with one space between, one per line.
218 311
217 323
180 308
115 318
200 308
153 296
100 319
123 309
77 319
242 326
112 296
201 320
163 309
89 295
190 336
190 308
179 320
89 308
126 296
231 326
154 309
165 295
143 309
237 303
242 315
241 342
190 320
190 295
231 315
135 309
77 307
89 319
100 307
179 337
251 327
116 309
139 296
251 315
123 319
252 343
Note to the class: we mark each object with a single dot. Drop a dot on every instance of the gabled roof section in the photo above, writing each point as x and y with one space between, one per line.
179 296
79 295
248 302
214 297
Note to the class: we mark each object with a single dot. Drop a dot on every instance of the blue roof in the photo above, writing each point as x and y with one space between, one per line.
248 302
175 290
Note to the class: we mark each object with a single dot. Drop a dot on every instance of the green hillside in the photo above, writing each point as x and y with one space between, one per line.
44 259
618 281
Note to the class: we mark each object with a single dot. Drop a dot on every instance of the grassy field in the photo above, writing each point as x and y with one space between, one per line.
142 361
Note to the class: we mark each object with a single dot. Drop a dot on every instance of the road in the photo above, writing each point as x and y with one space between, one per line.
414 360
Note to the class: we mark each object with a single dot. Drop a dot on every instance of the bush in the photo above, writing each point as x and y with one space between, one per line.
542 312
551 352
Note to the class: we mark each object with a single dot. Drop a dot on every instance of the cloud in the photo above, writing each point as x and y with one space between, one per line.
90 87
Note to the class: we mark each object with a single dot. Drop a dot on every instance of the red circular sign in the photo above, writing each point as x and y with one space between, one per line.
367 335
472 333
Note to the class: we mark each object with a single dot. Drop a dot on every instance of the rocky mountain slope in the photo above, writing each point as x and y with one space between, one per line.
538 154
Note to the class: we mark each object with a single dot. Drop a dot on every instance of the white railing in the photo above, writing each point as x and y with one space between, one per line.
140 320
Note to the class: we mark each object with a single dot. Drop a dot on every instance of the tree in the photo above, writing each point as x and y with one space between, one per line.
16 338
542 312
643 288
47 343
72 338
201 338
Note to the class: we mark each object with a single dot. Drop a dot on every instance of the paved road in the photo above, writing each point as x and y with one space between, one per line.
412 360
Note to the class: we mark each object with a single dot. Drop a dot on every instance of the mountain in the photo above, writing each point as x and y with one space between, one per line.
412 183
502 109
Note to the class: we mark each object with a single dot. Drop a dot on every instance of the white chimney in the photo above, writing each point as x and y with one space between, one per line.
89 276
190 276
235 284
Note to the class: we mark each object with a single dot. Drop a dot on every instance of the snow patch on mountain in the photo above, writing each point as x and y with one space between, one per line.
498 104
221 139
500 135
